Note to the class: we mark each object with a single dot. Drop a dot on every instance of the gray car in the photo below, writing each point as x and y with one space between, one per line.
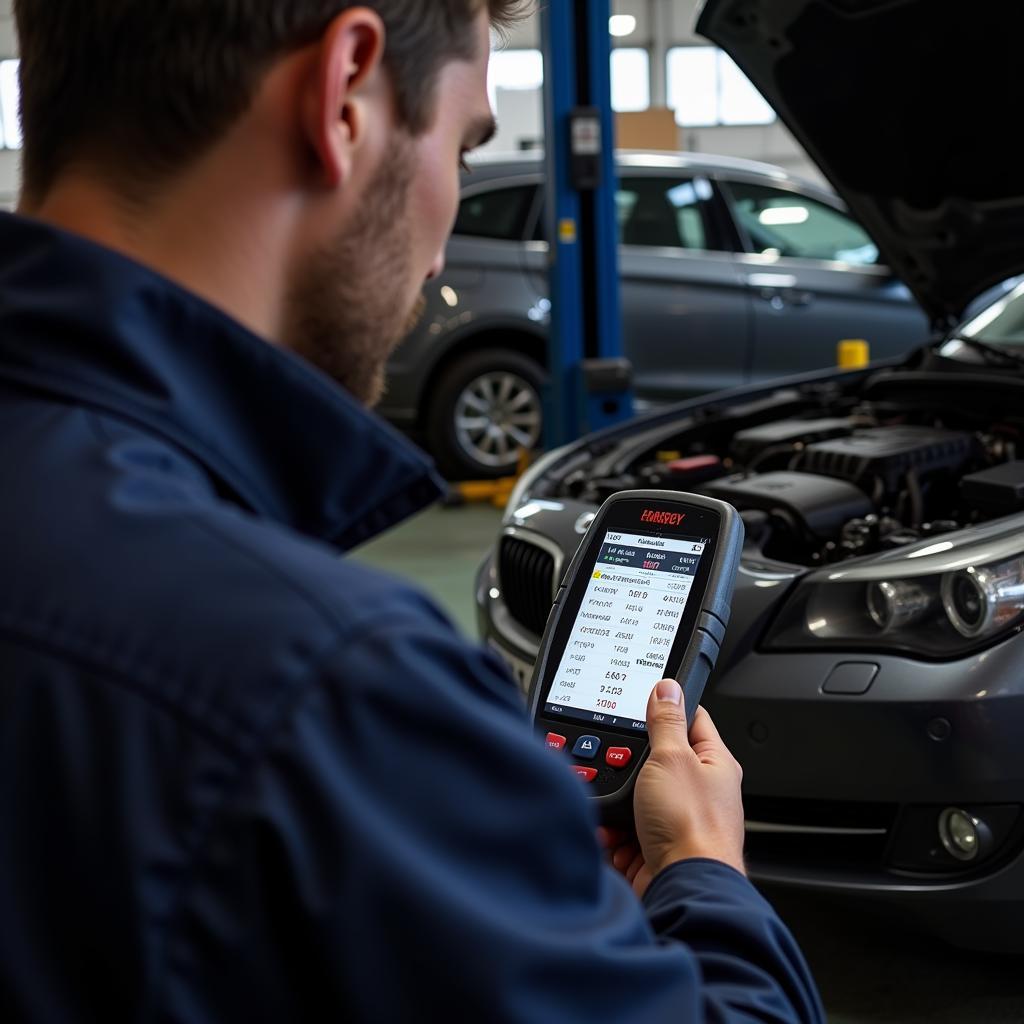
732 272
872 682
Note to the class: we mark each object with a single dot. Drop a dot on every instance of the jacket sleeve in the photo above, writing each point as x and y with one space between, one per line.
405 850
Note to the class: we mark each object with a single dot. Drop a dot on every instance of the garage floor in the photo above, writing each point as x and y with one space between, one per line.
867 970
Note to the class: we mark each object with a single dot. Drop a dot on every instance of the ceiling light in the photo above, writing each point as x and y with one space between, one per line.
621 25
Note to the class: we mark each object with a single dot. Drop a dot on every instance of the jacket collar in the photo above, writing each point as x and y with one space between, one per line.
86 324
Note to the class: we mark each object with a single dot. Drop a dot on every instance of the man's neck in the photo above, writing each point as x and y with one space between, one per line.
199 237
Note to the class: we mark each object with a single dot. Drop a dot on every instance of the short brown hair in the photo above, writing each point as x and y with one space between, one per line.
144 86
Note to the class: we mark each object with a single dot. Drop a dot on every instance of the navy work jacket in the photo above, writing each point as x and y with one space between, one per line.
245 779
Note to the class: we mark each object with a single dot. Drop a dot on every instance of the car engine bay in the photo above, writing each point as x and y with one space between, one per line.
825 473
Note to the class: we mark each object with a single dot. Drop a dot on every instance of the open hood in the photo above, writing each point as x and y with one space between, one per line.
910 109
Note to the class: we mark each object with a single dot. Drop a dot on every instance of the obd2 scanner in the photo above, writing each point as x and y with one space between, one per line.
645 597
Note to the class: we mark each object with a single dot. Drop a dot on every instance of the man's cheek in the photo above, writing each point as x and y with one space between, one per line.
441 201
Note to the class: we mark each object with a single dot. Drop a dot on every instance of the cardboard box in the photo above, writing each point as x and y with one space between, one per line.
648 129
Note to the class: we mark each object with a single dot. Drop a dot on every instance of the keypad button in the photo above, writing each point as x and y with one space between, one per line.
618 757
554 741
585 773
586 747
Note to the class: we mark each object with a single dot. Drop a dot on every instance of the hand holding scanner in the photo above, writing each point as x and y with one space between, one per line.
646 597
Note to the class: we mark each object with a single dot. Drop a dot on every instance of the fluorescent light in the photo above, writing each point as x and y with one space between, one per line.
621 25
784 215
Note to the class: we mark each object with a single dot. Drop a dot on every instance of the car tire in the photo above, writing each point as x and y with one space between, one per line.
485 407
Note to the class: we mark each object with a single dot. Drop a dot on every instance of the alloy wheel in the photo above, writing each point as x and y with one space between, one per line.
496 415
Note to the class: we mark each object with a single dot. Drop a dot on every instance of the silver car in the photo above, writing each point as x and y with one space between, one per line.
872 681
732 271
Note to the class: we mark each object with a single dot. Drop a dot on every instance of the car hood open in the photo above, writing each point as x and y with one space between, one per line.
908 107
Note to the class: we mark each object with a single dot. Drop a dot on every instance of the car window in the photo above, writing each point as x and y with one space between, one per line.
498 214
783 223
663 212
669 212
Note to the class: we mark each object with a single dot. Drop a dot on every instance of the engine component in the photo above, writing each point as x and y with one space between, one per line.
599 489
998 491
889 454
683 473
818 505
749 445
695 466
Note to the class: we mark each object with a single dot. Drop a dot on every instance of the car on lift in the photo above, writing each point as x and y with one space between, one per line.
732 272
872 682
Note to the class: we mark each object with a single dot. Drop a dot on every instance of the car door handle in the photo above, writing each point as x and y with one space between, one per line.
786 298
798 298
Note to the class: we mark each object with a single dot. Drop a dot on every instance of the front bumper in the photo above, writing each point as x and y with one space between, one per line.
843 792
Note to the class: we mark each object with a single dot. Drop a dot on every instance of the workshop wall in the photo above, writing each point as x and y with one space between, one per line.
660 25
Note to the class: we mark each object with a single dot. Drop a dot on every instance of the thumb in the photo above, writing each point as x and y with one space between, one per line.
666 717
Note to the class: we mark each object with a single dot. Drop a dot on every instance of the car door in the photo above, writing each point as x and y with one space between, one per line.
686 312
813 276
685 307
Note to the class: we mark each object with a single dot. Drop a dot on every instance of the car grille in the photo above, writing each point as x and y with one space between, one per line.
527 574
841 835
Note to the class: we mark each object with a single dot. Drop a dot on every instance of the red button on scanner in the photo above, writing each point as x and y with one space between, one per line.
585 773
618 757
554 741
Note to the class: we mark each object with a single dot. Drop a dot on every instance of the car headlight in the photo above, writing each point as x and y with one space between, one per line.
932 600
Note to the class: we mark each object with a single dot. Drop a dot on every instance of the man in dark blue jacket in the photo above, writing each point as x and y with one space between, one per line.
241 778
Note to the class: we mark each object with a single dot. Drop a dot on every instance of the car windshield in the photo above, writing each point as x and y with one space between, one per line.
1001 324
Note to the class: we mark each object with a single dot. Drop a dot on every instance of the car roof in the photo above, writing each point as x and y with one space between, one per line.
501 165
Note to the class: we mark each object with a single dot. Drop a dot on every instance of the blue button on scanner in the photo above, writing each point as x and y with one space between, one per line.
586 747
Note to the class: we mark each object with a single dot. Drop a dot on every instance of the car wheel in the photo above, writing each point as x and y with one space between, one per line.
486 407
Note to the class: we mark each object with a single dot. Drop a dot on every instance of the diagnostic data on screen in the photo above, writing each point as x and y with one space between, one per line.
623 634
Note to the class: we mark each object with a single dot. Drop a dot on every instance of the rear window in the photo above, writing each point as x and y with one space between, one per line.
499 214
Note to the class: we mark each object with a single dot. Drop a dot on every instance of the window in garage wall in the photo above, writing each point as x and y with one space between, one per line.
706 88
631 79
524 69
10 129
515 69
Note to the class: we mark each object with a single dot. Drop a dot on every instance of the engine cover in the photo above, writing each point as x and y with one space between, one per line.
748 444
819 504
889 453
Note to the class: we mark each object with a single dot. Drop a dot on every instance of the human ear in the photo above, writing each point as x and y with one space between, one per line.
334 115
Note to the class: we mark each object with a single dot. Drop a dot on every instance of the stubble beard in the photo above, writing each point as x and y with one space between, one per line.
347 308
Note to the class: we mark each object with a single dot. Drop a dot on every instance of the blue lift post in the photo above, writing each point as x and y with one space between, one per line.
589 381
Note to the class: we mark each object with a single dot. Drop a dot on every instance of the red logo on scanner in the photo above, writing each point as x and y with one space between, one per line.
650 515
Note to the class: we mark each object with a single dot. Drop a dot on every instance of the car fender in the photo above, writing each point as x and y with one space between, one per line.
461 333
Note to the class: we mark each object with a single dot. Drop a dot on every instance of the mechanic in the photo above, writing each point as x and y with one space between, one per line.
241 778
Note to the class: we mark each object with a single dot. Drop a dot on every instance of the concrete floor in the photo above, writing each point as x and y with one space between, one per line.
867 970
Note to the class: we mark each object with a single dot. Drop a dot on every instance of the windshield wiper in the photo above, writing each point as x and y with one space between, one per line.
992 353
